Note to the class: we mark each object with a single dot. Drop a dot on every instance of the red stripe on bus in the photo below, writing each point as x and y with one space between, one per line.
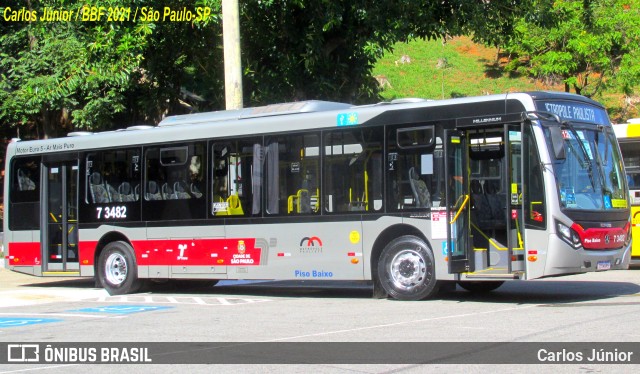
193 252
230 252
24 254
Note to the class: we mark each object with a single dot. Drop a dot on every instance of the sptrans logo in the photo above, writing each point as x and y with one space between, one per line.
311 245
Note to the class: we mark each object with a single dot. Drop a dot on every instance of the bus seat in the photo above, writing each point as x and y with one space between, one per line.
495 201
167 192
99 193
24 182
476 193
195 191
114 196
125 192
315 201
234 206
419 188
300 202
152 191
180 191
221 208
476 187
481 208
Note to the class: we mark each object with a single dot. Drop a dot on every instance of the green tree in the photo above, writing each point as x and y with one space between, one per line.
62 76
321 49
57 76
586 44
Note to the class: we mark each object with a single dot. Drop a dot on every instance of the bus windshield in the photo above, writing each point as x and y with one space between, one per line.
591 176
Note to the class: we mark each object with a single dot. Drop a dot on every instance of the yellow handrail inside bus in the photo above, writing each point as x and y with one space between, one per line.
493 242
455 218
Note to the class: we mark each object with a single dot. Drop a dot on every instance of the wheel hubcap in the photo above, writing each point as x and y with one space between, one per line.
116 268
408 269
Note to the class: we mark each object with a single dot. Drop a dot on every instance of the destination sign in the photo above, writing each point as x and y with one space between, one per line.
572 111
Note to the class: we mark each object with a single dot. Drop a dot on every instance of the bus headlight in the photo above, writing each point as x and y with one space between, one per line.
569 235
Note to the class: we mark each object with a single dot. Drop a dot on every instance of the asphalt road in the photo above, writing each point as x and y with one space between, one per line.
595 307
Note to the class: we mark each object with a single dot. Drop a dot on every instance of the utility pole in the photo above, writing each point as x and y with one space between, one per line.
232 65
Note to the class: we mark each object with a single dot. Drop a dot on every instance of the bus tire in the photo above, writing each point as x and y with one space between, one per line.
406 269
479 286
117 269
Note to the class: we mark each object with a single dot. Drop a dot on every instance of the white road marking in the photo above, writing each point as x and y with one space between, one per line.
38 368
61 315
401 323
26 297
177 300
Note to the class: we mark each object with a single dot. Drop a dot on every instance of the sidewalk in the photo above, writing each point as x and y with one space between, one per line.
11 279
19 290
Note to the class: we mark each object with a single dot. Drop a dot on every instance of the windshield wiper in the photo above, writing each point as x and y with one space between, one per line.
601 129
585 154
601 163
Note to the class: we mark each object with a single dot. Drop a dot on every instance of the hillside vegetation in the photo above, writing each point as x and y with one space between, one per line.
459 67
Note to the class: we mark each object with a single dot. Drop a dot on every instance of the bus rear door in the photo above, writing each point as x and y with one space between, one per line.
59 234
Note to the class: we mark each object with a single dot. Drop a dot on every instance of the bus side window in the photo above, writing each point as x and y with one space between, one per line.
533 183
292 169
353 171
24 194
237 177
223 155
108 173
414 167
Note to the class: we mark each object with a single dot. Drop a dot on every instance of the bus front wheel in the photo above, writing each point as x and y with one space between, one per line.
406 269
117 269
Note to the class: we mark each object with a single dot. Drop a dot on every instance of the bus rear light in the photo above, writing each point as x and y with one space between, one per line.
354 260
532 252
532 258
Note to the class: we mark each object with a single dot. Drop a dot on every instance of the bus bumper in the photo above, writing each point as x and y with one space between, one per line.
562 259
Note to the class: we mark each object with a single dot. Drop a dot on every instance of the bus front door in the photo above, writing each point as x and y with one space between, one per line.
496 185
60 218
459 248
515 220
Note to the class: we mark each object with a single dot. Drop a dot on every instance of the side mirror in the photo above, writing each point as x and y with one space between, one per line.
557 140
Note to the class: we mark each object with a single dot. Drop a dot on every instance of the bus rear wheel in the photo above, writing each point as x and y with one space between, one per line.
406 269
117 269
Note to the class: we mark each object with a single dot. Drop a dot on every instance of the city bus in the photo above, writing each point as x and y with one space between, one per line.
409 196
628 135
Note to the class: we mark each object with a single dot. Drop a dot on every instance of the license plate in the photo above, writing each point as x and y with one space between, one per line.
603 265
